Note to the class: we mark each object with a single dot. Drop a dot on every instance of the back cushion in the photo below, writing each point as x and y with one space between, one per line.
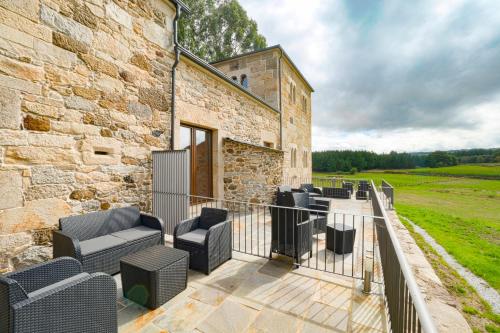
301 200
211 216
102 223
307 187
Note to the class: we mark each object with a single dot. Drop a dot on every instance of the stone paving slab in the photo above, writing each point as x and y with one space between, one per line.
251 294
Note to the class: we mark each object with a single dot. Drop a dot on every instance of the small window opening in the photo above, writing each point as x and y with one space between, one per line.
101 152
244 80
268 144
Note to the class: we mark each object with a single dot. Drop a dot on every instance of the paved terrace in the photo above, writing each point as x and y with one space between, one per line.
252 294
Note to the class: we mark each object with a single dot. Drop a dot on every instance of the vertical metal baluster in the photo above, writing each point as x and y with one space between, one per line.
245 227
353 240
251 229
239 226
343 242
373 245
363 249
333 234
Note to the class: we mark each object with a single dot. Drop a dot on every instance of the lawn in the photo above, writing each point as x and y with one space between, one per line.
462 214
483 170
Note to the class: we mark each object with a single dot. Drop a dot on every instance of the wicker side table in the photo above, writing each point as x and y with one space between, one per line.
340 238
153 276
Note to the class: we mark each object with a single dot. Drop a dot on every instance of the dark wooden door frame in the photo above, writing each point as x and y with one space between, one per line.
193 130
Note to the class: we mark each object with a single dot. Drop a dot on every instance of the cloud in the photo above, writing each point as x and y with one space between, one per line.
393 69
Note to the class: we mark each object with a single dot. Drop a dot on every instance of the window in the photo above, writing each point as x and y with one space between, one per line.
291 120
304 103
292 93
268 144
244 80
293 157
304 159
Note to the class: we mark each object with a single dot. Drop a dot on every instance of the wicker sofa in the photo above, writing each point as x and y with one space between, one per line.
57 297
99 240
207 238
335 192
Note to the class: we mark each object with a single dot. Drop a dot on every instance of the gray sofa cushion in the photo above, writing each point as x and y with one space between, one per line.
84 227
197 236
98 244
58 284
136 233
211 216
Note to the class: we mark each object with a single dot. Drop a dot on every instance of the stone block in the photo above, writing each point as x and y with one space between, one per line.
39 155
99 65
50 53
46 191
83 194
154 97
42 175
69 43
51 140
11 183
119 15
10 108
108 84
156 34
33 123
74 128
34 215
26 8
108 45
42 109
88 93
18 84
79 103
13 138
16 36
84 15
20 23
66 25
141 61
32 256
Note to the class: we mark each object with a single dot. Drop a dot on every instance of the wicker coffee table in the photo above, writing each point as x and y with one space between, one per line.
154 275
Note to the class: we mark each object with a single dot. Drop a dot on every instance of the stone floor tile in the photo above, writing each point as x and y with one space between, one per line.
135 317
334 295
274 321
327 316
209 295
230 317
183 316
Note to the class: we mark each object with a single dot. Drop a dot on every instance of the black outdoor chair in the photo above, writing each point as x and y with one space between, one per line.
292 226
57 297
207 238
313 191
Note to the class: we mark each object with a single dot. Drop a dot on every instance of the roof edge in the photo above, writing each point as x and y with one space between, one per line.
277 46
223 76
183 6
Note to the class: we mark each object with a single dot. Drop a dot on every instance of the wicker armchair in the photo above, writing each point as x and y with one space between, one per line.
207 238
292 226
313 191
57 297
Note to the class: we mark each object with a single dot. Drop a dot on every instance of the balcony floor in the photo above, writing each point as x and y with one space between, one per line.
251 294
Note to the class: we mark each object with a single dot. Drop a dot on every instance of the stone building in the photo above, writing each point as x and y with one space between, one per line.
86 96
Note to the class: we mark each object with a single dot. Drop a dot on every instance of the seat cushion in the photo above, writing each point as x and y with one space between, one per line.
136 233
98 244
58 284
197 236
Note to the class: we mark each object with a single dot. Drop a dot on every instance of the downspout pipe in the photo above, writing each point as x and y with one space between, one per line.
174 70
281 98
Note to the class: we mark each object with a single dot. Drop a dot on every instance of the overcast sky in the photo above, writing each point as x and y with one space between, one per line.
393 75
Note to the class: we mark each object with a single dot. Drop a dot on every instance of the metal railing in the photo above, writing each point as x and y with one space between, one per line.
406 307
388 192
302 234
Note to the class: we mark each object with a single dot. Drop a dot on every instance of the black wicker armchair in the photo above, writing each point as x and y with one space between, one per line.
207 238
57 297
292 224
313 191
98 240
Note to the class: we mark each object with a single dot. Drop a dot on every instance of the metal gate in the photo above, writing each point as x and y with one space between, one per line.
171 187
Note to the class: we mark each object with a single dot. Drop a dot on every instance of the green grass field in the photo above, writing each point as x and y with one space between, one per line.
466 170
462 214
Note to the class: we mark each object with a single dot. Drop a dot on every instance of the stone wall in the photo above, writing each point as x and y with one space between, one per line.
84 99
261 69
207 101
296 127
251 173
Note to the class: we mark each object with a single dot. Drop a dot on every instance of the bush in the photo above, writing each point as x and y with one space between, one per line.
353 171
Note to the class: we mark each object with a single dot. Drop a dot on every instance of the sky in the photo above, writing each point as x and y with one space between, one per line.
393 75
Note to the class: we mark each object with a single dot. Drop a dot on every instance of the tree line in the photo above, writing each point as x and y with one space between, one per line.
352 161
